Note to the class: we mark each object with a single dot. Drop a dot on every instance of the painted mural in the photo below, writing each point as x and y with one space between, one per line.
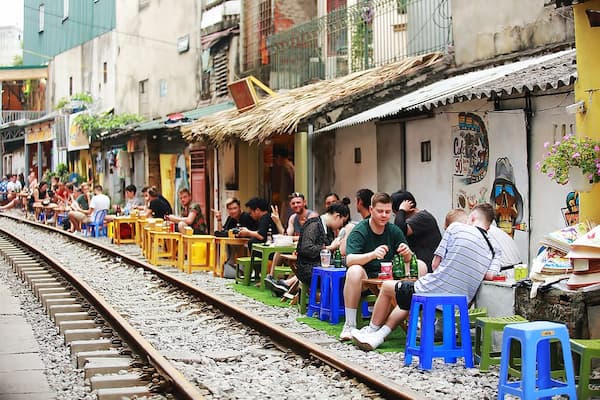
471 148
490 165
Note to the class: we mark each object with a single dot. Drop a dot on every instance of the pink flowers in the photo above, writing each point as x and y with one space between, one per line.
571 151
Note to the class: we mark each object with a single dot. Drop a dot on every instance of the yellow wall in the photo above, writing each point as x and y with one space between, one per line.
248 171
587 89
301 162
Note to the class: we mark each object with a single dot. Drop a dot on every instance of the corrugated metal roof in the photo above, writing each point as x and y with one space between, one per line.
539 73
189 116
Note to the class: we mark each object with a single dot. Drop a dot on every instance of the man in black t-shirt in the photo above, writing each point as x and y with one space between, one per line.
235 216
158 206
258 210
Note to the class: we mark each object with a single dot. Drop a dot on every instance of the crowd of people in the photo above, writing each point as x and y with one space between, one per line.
470 249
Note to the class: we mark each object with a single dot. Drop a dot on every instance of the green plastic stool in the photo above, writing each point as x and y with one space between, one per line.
484 331
281 271
588 349
244 262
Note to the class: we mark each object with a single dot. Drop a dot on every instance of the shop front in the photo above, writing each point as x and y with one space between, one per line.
39 142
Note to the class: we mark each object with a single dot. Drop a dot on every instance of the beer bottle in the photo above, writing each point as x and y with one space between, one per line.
118 210
337 259
269 236
414 267
398 271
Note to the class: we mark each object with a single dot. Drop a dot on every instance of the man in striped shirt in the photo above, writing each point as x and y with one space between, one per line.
463 259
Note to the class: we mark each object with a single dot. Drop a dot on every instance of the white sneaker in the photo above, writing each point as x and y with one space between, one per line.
347 332
364 329
367 341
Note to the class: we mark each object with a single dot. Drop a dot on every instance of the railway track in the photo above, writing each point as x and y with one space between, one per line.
171 304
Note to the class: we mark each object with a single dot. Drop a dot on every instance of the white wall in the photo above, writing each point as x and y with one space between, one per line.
85 64
147 49
350 176
547 197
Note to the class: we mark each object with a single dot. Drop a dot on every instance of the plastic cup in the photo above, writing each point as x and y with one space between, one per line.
386 270
325 258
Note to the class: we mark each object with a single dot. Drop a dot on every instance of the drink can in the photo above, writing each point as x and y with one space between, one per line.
521 272
386 270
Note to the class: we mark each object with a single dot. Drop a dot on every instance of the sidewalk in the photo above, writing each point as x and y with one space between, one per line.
21 369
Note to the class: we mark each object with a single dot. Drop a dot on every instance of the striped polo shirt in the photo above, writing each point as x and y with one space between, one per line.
466 257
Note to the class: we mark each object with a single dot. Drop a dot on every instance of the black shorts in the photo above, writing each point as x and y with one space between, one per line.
404 292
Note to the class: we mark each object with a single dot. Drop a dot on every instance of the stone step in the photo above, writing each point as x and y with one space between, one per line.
105 366
47 286
124 393
63 308
82 334
78 324
116 381
83 356
90 345
70 316
30 269
44 291
67 301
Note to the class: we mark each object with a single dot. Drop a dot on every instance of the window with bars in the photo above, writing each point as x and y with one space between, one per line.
426 151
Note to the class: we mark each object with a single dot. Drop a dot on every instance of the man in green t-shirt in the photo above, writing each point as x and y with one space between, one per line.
191 214
372 241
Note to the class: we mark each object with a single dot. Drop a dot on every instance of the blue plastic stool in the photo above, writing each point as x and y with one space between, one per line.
535 340
314 305
332 294
426 350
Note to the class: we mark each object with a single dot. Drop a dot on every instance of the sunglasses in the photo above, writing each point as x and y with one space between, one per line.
296 194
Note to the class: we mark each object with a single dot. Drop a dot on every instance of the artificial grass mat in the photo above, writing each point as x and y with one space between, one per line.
264 296
394 342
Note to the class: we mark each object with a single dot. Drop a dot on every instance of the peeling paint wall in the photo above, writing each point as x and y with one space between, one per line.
485 29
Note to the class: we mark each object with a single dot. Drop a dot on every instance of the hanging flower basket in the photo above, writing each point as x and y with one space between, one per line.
579 181
573 159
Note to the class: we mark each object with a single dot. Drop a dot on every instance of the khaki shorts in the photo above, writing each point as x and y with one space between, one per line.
81 217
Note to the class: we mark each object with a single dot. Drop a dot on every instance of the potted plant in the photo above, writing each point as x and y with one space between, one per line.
572 159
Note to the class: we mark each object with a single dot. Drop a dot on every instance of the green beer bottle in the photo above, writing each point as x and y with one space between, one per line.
337 259
398 270
414 267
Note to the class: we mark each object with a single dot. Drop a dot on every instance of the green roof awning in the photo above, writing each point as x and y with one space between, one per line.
188 117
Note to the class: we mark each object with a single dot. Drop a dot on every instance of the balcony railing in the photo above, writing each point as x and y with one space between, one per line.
365 35
11 116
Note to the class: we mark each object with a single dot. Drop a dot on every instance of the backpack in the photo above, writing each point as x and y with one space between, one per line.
66 224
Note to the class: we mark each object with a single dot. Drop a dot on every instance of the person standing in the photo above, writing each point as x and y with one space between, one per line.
419 226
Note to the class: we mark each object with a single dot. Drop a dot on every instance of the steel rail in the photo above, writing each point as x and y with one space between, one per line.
180 385
298 344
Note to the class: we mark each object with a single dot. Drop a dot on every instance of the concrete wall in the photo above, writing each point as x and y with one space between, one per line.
85 64
147 50
351 176
431 182
63 67
485 28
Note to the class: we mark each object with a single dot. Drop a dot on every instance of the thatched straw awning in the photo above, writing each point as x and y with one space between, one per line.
281 114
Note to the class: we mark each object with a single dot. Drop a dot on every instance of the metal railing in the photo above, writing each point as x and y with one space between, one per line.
365 35
11 116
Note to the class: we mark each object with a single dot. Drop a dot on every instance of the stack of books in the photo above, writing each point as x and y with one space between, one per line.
552 257
585 259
